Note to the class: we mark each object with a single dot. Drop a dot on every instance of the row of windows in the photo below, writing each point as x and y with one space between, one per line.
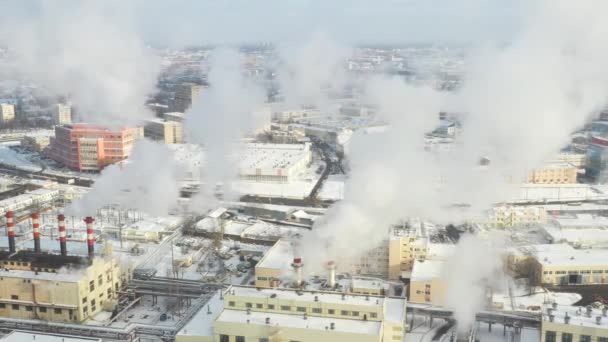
226 338
551 336
577 272
41 309
303 309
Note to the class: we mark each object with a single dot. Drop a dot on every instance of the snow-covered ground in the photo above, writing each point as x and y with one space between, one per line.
333 188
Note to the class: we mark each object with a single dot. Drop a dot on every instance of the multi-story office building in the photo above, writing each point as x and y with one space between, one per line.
185 94
169 132
62 114
85 147
563 323
7 114
407 243
251 314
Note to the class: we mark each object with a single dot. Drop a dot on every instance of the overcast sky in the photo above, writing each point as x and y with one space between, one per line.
179 22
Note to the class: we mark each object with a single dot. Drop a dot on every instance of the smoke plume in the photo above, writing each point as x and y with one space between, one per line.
146 182
88 50
219 118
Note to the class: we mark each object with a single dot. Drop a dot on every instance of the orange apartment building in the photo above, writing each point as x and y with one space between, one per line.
87 147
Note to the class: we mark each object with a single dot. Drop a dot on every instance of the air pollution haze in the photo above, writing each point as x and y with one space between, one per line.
522 102
219 118
147 182
89 51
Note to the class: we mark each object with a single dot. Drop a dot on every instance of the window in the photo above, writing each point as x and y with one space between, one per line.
602 339
300 309
92 285
100 280
84 300
93 302
550 336
2 305
566 337
331 311
344 313
285 307
259 306
355 313
230 303
270 306
317 310
373 315
57 311
240 338
263 339
224 338
248 305
15 306
15 297
585 338
42 309
29 308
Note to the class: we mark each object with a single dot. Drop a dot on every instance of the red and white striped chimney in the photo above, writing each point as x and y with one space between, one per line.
62 237
36 230
10 227
90 236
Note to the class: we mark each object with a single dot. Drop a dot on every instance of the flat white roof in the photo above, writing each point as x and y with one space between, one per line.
427 270
22 336
70 276
578 316
298 322
280 256
201 324
309 296
576 257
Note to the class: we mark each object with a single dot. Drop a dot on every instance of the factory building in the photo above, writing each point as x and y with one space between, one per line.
572 267
510 216
277 163
555 173
85 147
269 270
427 284
168 132
251 314
574 324
57 288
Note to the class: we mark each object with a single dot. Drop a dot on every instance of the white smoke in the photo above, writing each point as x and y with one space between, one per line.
219 118
146 182
522 102
88 50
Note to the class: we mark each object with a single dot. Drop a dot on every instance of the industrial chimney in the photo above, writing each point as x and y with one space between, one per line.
331 278
10 227
297 268
36 230
62 237
90 236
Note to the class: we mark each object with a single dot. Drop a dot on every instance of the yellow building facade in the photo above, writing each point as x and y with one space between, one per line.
559 173
32 290
578 267
250 314
574 324
427 285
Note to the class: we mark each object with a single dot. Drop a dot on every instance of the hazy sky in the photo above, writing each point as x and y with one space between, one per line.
180 22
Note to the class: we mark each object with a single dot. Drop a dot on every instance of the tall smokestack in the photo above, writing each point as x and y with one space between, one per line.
62 237
331 277
297 267
10 227
90 236
36 230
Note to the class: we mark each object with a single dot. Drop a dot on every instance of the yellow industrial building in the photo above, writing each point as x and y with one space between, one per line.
168 132
250 314
555 173
510 216
574 324
576 267
269 269
58 288
427 284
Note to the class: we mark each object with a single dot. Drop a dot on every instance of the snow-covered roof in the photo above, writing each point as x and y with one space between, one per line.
298 322
278 256
579 316
201 324
576 257
22 336
426 270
